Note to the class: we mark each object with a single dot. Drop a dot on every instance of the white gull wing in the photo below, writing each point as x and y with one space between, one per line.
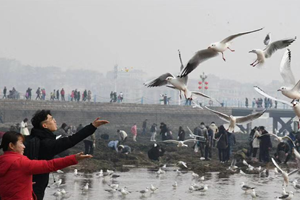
198 58
276 165
293 172
204 95
297 156
281 138
181 65
193 135
285 69
196 105
189 140
280 44
172 141
228 39
267 39
250 117
296 88
160 81
285 175
220 115
260 91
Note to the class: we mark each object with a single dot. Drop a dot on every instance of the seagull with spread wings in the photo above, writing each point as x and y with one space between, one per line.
294 104
232 120
176 82
291 88
285 175
262 55
213 50
280 139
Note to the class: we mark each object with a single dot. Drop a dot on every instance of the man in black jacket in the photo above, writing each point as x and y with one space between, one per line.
43 127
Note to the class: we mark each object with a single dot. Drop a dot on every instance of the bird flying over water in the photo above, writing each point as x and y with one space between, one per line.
232 120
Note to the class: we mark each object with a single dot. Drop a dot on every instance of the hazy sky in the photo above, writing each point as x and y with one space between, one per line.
97 34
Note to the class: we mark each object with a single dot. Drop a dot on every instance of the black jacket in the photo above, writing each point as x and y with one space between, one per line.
49 147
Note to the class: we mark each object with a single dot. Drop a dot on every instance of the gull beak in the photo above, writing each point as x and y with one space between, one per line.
252 51
279 90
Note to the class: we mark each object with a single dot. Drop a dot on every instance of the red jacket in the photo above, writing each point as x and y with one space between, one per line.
16 173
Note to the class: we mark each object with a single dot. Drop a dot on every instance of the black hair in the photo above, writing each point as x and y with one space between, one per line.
10 137
222 129
25 120
38 117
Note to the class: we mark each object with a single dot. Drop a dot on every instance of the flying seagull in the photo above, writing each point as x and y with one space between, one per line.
285 175
294 104
232 120
176 82
291 88
269 50
213 50
280 139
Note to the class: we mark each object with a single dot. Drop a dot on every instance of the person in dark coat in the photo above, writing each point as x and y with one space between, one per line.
222 143
181 134
155 152
265 145
163 131
284 147
43 127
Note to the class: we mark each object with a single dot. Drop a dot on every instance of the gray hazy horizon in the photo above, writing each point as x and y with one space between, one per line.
145 35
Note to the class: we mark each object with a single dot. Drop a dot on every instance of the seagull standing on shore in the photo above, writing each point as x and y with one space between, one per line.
174 185
246 188
262 55
288 196
180 143
182 163
213 50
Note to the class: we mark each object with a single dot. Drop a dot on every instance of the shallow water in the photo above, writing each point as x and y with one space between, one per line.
138 179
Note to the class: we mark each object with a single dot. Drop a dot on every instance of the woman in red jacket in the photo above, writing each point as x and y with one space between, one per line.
16 170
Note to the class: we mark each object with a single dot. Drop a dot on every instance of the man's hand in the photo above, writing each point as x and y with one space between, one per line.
99 122
80 156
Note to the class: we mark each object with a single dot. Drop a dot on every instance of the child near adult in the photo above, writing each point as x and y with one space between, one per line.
16 170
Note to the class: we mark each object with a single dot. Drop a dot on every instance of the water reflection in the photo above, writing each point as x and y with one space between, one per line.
224 188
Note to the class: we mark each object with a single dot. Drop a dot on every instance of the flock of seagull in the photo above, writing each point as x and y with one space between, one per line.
291 90
198 182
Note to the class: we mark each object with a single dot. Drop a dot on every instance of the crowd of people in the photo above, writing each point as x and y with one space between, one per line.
59 95
116 98
54 142
260 103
